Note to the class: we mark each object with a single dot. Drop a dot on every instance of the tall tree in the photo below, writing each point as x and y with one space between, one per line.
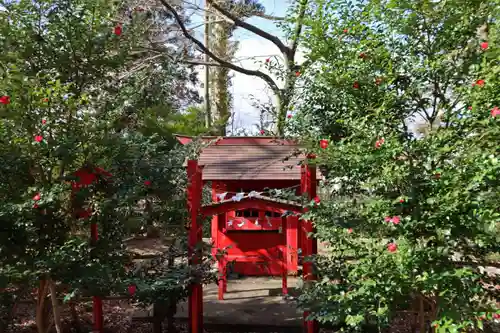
410 219
71 98
288 74
220 43
159 29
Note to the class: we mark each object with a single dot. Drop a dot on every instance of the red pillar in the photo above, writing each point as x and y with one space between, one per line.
301 225
284 257
309 244
97 314
292 244
195 301
222 262
218 225
215 220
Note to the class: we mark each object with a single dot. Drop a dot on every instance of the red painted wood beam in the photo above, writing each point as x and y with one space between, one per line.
214 226
292 243
302 226
195 301
310 245
250 203
284 257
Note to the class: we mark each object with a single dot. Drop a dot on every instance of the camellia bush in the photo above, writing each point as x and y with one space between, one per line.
71 100
400 105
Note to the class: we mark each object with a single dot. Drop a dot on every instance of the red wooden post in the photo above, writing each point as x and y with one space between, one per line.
195 301
310 245
222 263
292 244
97 314
215 220
218 225
301 225
284 257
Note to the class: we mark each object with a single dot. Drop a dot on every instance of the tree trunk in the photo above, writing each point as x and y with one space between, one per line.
220 81
43 323
55 306
281 107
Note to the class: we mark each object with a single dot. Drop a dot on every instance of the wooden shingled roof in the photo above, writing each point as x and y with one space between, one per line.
249 158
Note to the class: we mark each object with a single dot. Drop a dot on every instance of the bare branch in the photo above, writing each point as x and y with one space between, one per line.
142 63
250 27
201 63
221 61
269 17
209 22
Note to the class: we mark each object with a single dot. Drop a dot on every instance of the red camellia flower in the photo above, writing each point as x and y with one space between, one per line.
38 138
379 143
289 116
132 289
392 247
297 73
317 199
401 200
495 111
470 108
484 45
479 82
147 183
355 85
262 132
118 30
387 219
323 143
496 316
396 219
362 55
35 206
311 156
349 231
345 31
5 100
44 121
37 197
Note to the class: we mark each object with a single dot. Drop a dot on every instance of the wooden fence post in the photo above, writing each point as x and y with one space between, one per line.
309 245
195 301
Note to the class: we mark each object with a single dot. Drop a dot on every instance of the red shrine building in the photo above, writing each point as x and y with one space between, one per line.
254 229
254 239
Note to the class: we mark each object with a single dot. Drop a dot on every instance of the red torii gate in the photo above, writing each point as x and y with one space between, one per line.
194 191
86 176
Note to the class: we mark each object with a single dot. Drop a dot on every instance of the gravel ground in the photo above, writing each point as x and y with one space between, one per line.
118 320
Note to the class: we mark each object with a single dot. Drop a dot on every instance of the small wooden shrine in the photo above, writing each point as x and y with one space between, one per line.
254 229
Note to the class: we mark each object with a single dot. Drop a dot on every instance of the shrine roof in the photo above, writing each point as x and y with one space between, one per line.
249 158
256 200
256 197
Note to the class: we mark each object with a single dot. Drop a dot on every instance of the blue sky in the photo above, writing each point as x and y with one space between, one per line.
252 48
